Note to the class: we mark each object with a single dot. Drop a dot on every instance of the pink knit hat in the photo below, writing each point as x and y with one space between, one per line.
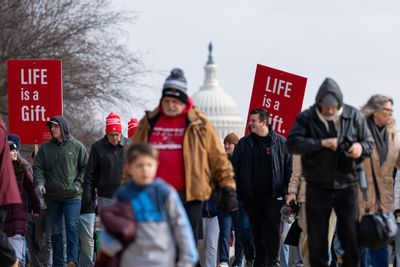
132 126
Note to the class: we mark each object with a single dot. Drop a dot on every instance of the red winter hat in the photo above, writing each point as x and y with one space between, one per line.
132 126
113 123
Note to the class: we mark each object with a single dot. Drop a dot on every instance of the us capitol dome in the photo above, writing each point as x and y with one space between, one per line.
217 105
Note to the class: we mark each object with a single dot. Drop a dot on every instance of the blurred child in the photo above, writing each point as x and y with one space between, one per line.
163 235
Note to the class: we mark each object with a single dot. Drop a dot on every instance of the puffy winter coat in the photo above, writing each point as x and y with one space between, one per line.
203 154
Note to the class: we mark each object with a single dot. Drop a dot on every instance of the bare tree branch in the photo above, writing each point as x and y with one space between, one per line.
98 70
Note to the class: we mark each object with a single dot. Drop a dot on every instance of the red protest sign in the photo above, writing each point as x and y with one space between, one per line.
281 94
34 96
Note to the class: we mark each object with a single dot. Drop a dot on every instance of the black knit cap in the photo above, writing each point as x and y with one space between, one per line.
176 86
13 142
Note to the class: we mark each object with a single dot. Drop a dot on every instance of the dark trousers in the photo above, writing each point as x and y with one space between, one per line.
265 218
7 254
245 233
195 216
320 202
38 239
35 252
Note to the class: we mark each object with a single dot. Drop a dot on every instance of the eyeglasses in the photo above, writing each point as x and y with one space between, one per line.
388 110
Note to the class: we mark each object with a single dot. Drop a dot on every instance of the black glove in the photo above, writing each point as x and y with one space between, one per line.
228 200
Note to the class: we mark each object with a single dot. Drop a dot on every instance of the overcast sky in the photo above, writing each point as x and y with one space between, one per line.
355 42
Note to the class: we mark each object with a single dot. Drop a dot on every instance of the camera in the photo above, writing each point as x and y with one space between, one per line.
345 163
345 146
289 212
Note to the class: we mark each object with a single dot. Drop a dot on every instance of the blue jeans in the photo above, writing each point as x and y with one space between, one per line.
227 222
284 257
86 229
58 212
375 257
365 258
18 243
245 233
208 246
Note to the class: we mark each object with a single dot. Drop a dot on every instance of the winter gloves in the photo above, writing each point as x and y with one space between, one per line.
227 200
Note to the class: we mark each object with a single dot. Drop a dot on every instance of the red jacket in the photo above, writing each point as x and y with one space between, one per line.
9 193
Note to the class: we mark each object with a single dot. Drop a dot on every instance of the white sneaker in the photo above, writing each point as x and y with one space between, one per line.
223 264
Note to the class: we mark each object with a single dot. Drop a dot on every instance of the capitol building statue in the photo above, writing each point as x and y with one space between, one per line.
217 105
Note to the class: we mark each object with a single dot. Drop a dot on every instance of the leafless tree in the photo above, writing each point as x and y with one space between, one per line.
98 70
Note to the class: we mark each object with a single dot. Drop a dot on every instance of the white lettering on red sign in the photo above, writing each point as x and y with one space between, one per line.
33 113
33 76
278 87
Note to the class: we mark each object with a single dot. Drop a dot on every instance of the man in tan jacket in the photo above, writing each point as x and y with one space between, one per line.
190 152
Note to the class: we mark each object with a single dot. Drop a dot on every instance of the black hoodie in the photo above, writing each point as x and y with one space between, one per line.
324 167
329 86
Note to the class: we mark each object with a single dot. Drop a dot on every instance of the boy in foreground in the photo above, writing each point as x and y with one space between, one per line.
163 234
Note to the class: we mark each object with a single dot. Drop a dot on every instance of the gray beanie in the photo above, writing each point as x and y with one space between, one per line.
176 86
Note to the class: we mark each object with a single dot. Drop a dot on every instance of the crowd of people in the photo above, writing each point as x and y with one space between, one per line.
172 195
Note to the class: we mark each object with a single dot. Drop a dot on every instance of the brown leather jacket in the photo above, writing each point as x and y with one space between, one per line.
384 175
203 154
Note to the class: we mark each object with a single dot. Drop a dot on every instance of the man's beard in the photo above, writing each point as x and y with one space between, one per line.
330 118
172 113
